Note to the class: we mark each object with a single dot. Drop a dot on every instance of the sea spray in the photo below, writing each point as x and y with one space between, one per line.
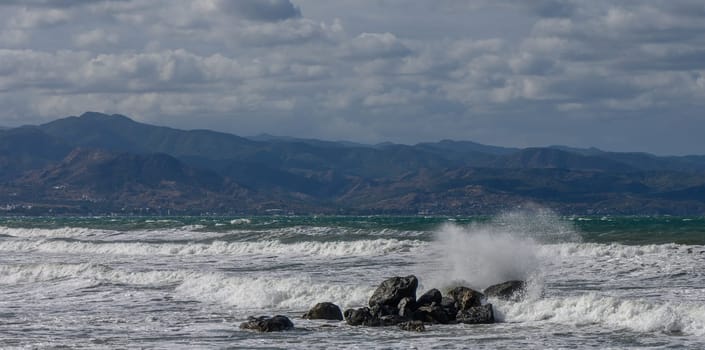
505 248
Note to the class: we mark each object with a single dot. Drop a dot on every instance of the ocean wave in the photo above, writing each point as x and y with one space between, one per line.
31 273
592 309
297 293
616 250
270 247
67 232
83 232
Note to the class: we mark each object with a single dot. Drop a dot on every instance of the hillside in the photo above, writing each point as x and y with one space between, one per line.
107 163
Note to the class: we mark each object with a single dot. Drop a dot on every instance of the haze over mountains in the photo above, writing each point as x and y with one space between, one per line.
98 164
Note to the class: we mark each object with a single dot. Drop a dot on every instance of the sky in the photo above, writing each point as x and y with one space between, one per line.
617 75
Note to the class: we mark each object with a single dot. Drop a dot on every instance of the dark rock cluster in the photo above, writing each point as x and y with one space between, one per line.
394 302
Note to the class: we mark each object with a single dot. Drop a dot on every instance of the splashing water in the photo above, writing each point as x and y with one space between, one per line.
506 248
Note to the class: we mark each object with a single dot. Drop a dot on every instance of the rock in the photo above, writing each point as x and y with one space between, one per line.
510 290
383 310
406 307
391 320
324 311
276 323
361 317
391 291
466 297
430 297
412 326
450 306
432 314
476 315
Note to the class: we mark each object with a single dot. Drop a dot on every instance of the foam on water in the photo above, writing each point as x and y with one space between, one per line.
58 232
297 293
593 309
325 249
184 232
29 273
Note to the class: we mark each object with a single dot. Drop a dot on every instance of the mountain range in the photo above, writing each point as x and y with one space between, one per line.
99 164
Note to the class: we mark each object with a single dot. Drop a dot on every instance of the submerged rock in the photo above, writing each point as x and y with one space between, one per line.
324 311
510 290
466 297
412 326
393 290
476 315
276 323
432 296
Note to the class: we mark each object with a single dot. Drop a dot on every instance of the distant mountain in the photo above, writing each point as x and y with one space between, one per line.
27 148
531 158
312 142
102 163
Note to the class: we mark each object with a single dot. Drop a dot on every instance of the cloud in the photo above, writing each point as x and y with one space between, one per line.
95 37
262 10
510 73
32 18
376 45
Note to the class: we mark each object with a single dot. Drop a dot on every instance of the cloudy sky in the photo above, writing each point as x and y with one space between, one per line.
618 75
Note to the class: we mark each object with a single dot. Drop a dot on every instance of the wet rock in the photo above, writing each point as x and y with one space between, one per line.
406 307
412 326
450 306
510 290
432 314
276 323
361 317
391 291
476 315
466 297
324 311
430 297
383 310
391 320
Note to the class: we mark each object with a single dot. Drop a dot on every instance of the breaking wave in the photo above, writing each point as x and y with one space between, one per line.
592 309
270 247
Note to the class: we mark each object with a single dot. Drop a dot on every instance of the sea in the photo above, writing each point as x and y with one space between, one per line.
599 282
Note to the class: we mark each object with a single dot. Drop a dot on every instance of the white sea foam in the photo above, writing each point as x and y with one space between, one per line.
297 293
67 232
614 249
270 247
240 221
29 273
184 232
593 309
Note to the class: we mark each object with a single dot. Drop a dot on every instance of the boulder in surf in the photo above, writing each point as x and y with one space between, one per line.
392 290
510 290
476 315
276 323
324 311
466 297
